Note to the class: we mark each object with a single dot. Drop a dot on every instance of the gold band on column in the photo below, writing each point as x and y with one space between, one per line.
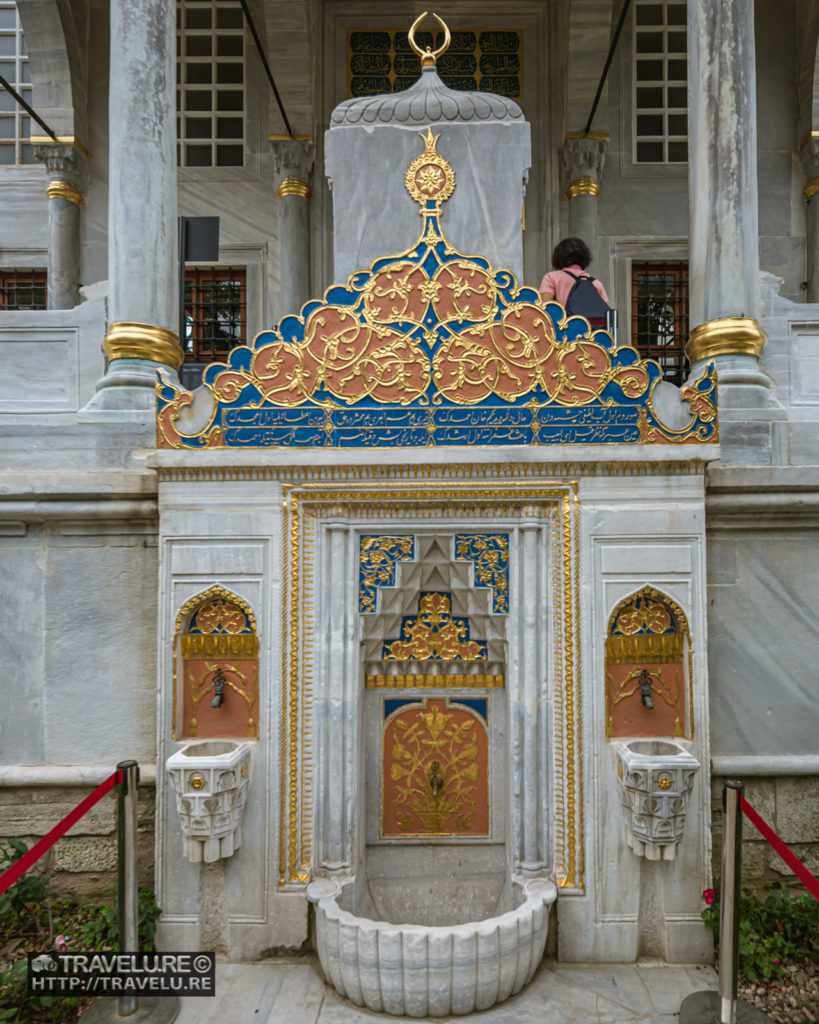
294 187
811 188
583 187
130 340
64 190
727 336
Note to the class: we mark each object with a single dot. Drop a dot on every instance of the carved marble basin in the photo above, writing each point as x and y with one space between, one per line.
430 971
655 777
210 779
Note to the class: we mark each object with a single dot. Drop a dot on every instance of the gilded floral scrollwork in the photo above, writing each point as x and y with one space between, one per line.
435 772
434 634
489 553
430 348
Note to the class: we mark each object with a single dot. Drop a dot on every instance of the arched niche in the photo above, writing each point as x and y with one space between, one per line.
216 655
648 662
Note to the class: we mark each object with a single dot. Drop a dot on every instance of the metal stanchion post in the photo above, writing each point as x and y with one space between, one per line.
729 905
127 872
723 1007
129 1006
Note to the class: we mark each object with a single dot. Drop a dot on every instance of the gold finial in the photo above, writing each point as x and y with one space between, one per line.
430 176
429 56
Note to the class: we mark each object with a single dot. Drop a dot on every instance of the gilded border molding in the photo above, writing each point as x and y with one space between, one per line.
556 503
583 187
442 682
64 190
424 472
131 340
295 187
726 336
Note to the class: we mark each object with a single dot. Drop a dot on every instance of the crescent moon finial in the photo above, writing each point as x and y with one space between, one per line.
429 57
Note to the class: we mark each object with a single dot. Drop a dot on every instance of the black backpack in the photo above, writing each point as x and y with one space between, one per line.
584 299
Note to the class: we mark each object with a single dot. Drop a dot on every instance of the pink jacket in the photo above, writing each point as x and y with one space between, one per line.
561 284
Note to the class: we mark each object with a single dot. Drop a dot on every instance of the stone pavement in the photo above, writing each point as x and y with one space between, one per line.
292 992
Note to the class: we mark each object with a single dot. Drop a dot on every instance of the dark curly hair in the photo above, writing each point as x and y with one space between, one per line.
570 251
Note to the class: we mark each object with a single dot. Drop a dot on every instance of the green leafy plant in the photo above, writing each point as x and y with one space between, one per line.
100 929
33 917
782 927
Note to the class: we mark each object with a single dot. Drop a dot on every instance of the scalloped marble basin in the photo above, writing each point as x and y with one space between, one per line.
655 778
210 779
422 970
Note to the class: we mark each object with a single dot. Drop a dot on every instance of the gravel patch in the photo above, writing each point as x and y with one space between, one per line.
792 998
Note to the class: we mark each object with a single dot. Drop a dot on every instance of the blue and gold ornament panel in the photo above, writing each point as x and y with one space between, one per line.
432 348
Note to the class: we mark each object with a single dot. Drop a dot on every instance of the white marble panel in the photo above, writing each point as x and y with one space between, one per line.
100 617
41 370
804 364
22 643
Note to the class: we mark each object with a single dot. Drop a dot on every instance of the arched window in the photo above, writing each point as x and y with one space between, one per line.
210 76
15 124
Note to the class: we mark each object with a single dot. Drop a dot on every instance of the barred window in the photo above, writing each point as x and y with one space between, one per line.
210 77
660 82
659 315
15 124
215 317
23 288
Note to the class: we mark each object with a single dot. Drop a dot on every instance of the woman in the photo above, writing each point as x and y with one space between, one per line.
571 256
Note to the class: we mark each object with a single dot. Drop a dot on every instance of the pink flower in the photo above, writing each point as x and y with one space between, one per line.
709 895
776 959
61 942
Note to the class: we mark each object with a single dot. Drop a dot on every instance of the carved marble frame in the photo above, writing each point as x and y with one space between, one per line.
320 832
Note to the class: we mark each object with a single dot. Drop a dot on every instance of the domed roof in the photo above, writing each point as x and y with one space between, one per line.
426 102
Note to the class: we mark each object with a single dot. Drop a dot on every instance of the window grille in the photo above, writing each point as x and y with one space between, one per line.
660 82
23 289
15 124
215 317
210 76
659 315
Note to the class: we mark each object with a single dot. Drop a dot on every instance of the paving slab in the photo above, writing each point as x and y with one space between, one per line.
288 992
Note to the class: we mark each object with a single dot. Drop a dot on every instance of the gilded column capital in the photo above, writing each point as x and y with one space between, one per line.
293 161
131 340
726 336
65 162
582 162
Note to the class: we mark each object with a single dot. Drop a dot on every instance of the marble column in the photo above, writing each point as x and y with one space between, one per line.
335 707
723 194
528 729
293 163
809 157
582 162
142 209
65 166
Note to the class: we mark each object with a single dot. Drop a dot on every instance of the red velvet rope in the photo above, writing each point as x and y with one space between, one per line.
19 867
790 858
